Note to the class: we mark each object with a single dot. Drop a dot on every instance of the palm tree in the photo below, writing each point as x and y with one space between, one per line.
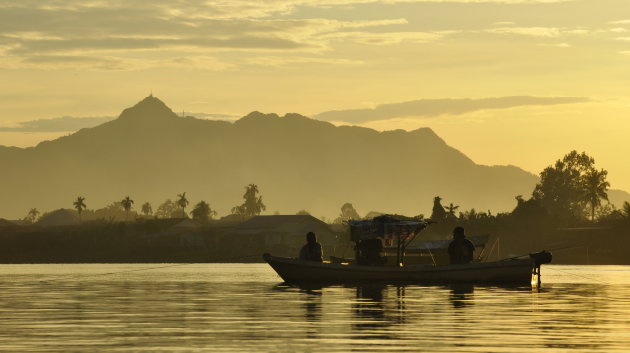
182 202
147 209
253 205
595 187
451 209
31 217
626 209
126 204
79 205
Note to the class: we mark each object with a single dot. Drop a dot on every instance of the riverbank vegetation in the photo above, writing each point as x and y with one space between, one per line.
571 195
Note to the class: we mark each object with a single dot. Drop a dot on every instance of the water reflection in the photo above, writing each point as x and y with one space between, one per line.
461 294
207 309
369 312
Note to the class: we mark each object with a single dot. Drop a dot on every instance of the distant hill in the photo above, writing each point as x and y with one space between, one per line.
151 154
618 197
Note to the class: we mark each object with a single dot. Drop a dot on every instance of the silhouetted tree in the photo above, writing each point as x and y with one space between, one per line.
626 209
79 204
167 209
31 217
238 211
595 189
470 215
561 189
608 213
202 212
302 213
348 212
438 213
126 204
252 205
113 211
451 211
182 202
147 210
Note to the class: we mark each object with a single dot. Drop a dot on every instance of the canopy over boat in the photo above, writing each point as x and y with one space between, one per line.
386 227
391 227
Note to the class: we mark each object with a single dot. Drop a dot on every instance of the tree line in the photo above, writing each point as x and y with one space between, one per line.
252 205
569 192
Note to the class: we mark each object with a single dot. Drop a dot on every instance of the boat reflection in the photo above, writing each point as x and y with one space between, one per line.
380 311
377 310
461 295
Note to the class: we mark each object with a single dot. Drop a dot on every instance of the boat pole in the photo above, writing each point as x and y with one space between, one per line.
398 251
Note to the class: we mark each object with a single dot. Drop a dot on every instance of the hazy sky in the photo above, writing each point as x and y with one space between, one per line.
507 82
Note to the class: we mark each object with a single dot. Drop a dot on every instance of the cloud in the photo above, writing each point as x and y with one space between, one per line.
386 38
556 45
503 23
282 61
214 116
436 107
126 44
620 22
137 35
108 63
61 124
549 32
39 30
618 30
44 27
70 123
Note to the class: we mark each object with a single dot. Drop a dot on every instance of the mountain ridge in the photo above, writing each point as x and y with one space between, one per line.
151 154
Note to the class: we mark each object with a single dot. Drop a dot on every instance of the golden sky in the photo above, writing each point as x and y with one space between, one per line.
517 82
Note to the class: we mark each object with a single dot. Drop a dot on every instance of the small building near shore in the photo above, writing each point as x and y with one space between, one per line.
184 234
58 218
282 235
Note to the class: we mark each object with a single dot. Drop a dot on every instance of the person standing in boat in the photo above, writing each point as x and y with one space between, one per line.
312 250
460 250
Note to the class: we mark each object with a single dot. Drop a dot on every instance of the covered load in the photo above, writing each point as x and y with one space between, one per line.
386 227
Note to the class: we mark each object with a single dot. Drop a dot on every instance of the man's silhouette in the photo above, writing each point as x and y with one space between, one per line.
312 250
460 250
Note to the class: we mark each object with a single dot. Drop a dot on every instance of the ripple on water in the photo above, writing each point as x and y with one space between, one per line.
244 307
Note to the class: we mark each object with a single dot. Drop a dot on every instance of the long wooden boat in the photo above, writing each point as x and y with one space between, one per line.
369 266
516 270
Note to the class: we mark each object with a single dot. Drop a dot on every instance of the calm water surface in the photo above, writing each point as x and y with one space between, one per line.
246 308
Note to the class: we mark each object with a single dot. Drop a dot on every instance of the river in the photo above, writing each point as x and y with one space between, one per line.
246 308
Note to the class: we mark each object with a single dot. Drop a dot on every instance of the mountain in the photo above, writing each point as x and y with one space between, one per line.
151 154
618 197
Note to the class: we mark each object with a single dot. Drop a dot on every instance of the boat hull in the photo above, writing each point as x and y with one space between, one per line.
507 271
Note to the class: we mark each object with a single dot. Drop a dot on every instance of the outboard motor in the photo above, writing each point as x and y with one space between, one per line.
539 258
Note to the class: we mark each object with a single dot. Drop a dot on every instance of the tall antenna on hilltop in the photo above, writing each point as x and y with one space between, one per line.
151 95
183 116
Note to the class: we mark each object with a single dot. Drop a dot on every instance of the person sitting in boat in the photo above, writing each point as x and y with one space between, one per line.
460 250
312 250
